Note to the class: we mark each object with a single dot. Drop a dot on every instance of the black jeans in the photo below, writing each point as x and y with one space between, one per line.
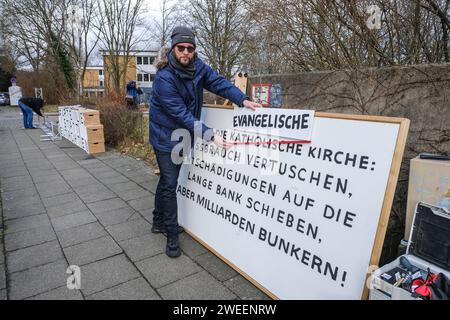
166 209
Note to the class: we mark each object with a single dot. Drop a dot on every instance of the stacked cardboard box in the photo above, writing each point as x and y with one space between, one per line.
82 127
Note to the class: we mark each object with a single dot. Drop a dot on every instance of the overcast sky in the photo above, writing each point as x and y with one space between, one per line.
153 5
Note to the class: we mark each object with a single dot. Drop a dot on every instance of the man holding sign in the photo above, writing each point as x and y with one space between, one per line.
176 103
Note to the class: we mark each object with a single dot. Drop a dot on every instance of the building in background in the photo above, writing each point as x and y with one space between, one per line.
140 68
93 82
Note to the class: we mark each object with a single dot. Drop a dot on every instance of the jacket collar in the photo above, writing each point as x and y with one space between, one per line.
184 72
199 68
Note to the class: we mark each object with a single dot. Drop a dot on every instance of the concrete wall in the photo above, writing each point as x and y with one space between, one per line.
420 93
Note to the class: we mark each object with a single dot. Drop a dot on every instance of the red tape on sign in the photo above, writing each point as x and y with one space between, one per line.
270 142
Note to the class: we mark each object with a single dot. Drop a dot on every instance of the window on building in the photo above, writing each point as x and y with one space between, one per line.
101 83
100 72
146 77
152 60
152 77
139 77
139 60
145 60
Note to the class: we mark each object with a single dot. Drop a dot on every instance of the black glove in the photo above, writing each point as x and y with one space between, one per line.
404 262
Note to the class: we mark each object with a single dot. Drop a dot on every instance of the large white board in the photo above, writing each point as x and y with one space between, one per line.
303 225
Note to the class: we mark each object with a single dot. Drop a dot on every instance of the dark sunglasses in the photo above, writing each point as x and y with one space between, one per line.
182 48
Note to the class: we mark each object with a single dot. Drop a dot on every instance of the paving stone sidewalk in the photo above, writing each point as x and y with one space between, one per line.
60 208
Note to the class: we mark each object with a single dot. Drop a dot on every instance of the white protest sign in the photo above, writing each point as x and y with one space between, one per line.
15 93
287 123
299 219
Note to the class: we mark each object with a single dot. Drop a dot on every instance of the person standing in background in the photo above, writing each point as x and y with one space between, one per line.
133 91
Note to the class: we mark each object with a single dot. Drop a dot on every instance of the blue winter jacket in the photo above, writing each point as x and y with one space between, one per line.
177 103
132 91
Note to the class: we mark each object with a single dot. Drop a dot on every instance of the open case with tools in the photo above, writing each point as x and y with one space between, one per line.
424 271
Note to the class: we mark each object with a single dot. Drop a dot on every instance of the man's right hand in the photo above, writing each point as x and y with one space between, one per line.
252 105
220 142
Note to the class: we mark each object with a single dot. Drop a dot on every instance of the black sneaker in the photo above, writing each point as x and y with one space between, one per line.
173 247
162 229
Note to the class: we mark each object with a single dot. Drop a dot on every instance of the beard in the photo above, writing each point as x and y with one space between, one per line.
184 61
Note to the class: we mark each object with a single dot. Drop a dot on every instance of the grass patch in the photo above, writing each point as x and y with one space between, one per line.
126 130
50 108
139 151
139 148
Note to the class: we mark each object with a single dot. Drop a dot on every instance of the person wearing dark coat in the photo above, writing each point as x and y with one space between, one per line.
28 105
133 91
176 102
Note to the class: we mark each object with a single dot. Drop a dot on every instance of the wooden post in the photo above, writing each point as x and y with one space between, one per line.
240 81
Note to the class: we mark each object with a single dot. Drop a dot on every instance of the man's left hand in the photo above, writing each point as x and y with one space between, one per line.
251 105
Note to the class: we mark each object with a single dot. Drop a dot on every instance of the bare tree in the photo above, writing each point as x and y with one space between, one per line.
2 31
442 10
25 41
117 25
163 24
320 34
222 29
81 37
261 36
37 27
